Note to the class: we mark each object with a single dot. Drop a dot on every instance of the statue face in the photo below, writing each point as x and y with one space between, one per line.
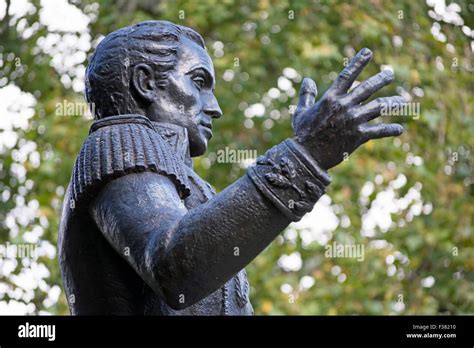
188 99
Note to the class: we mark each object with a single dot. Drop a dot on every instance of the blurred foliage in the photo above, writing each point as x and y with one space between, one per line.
260 39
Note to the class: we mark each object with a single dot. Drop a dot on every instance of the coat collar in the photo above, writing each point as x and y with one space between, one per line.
176 136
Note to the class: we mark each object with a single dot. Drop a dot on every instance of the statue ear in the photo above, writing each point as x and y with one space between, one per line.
143 81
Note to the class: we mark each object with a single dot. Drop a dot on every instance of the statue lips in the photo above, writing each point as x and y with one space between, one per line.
207 126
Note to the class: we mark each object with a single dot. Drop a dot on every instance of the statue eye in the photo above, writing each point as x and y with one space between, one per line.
199 82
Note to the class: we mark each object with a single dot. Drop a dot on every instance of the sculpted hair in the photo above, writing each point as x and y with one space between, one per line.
108 75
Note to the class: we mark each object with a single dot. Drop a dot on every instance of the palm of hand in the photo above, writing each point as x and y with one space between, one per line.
337 124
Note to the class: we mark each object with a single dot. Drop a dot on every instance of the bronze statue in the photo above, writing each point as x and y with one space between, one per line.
141 233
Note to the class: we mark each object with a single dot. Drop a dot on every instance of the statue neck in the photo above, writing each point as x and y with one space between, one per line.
177 137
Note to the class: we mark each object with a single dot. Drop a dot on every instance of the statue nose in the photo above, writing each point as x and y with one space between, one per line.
214 113
213 109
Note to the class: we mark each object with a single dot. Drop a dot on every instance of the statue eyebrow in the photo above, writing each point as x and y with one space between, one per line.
205 73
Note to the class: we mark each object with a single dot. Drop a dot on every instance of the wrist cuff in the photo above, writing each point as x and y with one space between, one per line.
290 178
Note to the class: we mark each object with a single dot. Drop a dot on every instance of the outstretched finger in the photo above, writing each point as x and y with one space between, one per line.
375 108
347 76
370 86
307 96
381 130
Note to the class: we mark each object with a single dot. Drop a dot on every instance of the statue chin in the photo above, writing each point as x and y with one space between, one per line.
198 144
196 150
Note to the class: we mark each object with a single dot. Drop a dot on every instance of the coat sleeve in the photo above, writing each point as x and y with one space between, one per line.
186 255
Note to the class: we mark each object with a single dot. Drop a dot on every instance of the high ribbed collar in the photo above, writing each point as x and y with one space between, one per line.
176 136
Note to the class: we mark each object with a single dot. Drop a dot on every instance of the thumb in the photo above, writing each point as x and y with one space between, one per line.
307 96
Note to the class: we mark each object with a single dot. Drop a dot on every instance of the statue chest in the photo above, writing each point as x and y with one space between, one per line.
233 297
200 189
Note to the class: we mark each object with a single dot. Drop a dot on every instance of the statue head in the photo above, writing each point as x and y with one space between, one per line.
159 70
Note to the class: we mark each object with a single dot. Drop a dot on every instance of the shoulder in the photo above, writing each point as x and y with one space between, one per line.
140 189
118 149
136 199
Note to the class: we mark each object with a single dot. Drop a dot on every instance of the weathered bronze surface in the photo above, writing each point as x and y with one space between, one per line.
141 233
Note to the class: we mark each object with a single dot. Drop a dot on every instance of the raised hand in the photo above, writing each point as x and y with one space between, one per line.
337 124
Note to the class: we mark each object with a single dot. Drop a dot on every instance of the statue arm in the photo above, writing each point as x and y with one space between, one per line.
186 255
